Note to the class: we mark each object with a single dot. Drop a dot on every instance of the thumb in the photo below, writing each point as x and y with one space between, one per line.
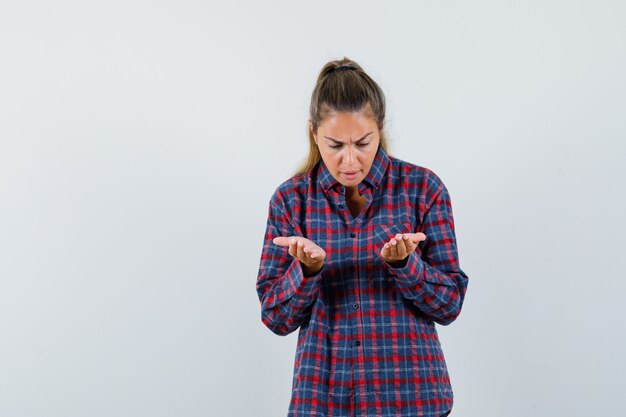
281 241
417 237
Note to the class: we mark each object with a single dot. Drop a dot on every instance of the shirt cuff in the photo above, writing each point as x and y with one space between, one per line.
299 285
409 275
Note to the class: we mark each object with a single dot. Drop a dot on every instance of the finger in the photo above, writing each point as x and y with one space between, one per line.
393 248
300 251
281 240
293 250
410 246
319 255
307 251
385 252
401 247
312 254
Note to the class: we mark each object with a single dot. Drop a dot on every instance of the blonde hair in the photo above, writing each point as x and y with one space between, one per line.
342 85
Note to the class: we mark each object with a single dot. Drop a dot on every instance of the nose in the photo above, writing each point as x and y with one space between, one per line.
350 158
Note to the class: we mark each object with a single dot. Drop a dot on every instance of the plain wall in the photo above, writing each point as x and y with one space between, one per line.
140 142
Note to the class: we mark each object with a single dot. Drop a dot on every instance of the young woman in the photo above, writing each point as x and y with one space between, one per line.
360 254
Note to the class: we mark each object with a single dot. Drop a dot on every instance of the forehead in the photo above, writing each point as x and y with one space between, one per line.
348 123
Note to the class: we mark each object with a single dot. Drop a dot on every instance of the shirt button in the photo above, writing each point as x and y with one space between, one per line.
340 206
357 343
352 234
355 305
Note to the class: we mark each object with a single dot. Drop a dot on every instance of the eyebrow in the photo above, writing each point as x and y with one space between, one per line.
360 140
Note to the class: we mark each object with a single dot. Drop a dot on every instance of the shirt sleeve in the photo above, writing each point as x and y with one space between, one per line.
286 295
434 281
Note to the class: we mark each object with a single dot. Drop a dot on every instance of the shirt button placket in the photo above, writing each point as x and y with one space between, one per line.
355 305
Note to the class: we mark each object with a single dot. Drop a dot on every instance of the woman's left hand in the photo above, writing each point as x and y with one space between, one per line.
400 247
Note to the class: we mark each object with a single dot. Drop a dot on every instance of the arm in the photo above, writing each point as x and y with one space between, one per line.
434 282
284 291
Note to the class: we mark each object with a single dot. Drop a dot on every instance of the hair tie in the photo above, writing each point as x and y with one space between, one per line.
344 68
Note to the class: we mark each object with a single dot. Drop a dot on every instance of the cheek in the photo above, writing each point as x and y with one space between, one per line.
369 158
333 160
367 154
336 156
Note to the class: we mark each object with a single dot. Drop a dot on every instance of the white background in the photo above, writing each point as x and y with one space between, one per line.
140 142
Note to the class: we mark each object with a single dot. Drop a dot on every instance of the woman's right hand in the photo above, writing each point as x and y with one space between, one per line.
308 253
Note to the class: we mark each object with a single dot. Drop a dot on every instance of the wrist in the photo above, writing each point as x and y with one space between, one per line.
309 271
398 264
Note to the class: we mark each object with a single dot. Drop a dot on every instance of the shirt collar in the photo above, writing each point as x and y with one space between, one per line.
372 179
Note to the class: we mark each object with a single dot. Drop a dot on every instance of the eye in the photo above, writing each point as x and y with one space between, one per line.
335 146
362 145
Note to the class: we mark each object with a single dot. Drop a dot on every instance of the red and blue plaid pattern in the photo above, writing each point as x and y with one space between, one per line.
367 344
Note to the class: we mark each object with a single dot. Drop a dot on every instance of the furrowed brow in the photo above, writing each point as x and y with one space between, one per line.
340 142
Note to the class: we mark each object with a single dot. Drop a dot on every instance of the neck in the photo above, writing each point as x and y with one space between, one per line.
352 191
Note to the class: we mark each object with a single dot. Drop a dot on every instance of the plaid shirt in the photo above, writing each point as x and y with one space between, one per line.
367 344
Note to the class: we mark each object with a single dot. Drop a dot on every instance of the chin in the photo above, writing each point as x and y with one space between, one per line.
352 183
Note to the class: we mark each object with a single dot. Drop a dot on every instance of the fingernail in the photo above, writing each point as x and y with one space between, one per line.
293 241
